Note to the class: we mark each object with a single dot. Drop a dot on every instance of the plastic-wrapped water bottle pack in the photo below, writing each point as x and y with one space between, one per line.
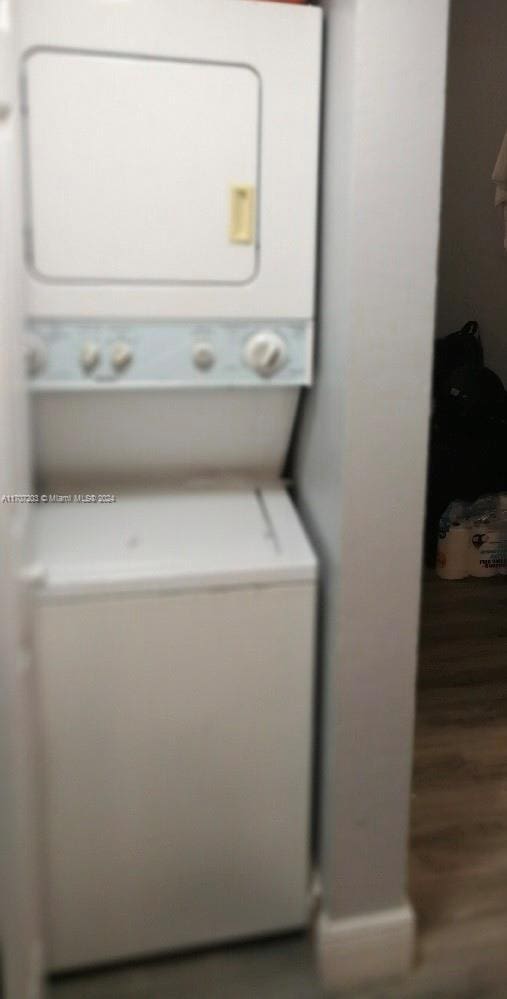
472 538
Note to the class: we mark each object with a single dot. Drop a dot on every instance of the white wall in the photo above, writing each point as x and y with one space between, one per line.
361 462
473 263
20 929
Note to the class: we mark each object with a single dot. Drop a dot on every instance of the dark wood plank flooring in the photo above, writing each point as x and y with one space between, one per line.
458 864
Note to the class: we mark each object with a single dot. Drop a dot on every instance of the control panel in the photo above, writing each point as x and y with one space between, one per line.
74 355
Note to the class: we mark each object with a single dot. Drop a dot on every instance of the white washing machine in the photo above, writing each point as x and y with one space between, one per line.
175 671
170 158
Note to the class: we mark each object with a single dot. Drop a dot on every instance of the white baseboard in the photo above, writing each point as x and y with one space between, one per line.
362 949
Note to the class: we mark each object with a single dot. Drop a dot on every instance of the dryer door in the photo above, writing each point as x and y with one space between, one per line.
140 169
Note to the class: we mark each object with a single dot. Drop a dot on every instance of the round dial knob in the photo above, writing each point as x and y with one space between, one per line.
121 355
203 355
89 356
35 354
266 352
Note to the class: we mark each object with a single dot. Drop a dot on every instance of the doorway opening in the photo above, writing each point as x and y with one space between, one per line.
458 857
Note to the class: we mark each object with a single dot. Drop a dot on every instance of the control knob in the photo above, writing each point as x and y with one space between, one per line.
265 352
90 356
36 354
203 355
121 355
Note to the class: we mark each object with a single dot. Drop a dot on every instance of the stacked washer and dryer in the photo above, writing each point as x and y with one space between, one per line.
170 164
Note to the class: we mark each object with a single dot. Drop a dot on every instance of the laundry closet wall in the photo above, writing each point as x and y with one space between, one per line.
473 262
362 458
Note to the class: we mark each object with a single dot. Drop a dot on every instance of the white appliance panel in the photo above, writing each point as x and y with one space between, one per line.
183 539
176 734
175 673
131 166
266 134
96 440
75 356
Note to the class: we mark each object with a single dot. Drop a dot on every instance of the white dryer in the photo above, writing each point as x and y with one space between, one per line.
175 672
170 166
171 158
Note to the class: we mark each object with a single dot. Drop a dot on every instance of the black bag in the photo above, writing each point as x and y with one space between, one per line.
460 350
468 439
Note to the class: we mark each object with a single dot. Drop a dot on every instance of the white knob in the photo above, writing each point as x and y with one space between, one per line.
203 355
121 355
266 352
90 356
36 354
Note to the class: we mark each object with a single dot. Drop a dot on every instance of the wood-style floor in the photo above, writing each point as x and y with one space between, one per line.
458 868
458 860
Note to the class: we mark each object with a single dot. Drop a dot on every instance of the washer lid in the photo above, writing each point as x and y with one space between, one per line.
177 540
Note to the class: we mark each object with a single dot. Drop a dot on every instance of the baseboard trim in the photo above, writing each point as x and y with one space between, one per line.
364 949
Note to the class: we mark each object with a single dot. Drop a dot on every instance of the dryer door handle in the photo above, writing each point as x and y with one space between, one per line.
242 226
